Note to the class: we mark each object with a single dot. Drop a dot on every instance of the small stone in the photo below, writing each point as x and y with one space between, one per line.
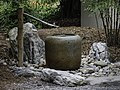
84 60
100 63
104 73
83 56
25 64
31 67
88 57
91 60
107 69
36 66
91 65
87 75
4 63
73 72
39 84
80 73
112 74
101 70
96 74
117 65
93 74
87 70
96 69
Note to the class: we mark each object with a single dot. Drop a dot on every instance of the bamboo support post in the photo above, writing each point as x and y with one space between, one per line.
20 37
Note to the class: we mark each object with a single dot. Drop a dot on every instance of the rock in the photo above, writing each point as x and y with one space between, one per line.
100 63
117 64
90 67
83 56
107 70
25 72
79 73
96 74
87 70
62 77
96 69
99 80
4 63
34 47
99 51
84 61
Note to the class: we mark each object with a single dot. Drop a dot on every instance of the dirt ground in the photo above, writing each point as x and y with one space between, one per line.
88 35
9 81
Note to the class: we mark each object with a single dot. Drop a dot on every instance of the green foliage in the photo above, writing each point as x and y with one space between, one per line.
7 13
46 1
109 11
95 5
43 9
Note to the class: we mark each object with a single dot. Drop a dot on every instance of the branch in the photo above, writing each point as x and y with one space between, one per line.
52 25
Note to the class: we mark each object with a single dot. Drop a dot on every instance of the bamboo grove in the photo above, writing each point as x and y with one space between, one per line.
109 12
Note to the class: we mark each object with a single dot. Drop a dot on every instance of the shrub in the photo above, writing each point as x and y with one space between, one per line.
109 11
42 10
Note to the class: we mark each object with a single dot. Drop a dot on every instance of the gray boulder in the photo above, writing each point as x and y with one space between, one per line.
62 77
99 51
100 63
34 46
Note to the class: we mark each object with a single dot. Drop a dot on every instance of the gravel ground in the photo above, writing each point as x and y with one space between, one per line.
33 84
9 81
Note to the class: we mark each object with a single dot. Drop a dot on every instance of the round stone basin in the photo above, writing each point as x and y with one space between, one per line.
63 52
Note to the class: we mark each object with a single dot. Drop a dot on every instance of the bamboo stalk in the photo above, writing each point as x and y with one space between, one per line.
111 29
101 14
114 19
52 25
118 35
107 21
97 25
20 37
114 22
116 30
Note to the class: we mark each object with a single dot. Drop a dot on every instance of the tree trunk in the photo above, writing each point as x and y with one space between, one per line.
20 37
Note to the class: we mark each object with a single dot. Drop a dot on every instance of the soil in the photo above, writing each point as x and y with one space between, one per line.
7 77
88 35
9 81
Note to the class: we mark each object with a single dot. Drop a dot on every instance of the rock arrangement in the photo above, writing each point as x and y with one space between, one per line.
34 50
90 70
97 68
96 64
87 74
